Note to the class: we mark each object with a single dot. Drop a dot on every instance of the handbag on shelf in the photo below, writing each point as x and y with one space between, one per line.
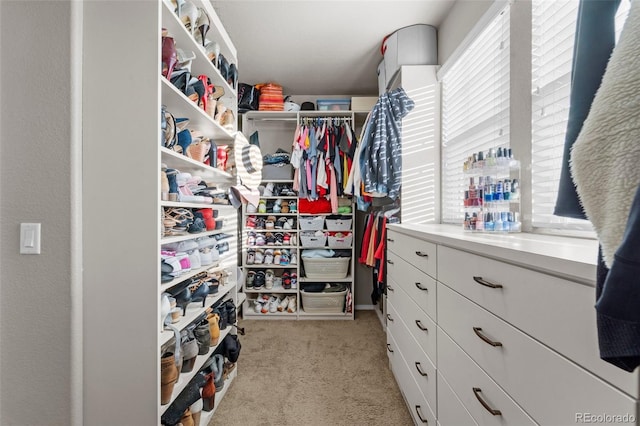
248 97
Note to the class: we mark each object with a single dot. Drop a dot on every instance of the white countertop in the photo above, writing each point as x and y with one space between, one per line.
572 258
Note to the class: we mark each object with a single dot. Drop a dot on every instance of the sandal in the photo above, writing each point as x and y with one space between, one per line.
182 217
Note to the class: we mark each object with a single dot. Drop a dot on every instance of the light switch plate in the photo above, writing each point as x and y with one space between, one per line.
30 238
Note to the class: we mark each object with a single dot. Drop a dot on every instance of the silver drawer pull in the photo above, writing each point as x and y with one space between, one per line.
476 392
420 414
389 348
421 254
419 285
390 262
419 368
486 283
420 326
391 240
389 318
477 330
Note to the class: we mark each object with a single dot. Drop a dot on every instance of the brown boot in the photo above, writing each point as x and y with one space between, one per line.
168 377
209 393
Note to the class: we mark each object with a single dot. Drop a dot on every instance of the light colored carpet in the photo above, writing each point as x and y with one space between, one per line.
313 373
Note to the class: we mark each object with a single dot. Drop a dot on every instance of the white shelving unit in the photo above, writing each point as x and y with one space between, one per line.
181 106
121 159
276 131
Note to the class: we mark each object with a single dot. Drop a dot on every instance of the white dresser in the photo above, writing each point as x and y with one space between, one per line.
499 329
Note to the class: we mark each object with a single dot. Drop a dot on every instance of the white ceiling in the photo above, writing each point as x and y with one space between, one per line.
315 47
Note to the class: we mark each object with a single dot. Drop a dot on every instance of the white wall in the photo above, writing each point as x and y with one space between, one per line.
461 18
35 182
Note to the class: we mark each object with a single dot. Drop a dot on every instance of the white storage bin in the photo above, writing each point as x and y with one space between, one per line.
310 239
412 45
329 268
339 224
311 223
342 240
323 303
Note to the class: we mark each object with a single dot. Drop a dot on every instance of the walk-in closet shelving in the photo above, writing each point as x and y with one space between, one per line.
276 131
199 120
122 225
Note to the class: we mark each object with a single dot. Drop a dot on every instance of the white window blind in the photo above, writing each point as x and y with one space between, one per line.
553 34
475 109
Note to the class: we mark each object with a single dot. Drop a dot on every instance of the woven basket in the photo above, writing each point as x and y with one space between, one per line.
331 268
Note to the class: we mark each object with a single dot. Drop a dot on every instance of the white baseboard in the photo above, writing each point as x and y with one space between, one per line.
365 307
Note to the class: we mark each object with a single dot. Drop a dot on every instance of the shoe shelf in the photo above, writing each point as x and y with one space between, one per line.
247 230
185 378
271 290
201 64
175 160
270 266
272 246
194 310
207 416
178 238
218 265
273 214
176 101
222 208
164 287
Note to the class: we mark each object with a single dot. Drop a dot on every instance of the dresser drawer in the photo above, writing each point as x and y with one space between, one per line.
420 287
451 412
421 327
419 253
475 389
416 402
560 313
548 386
421 367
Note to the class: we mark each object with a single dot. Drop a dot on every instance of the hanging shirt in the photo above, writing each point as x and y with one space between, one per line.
382 152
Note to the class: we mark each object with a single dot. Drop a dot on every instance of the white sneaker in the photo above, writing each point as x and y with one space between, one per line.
268 279
273 304
268 190
291 308
257 307
294 258
282 306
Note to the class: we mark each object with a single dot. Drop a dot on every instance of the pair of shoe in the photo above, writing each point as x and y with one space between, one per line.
288 304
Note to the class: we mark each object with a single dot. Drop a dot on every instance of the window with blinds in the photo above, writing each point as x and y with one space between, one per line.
475 109
553 34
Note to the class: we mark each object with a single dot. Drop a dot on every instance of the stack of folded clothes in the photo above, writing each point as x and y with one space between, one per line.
271 98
